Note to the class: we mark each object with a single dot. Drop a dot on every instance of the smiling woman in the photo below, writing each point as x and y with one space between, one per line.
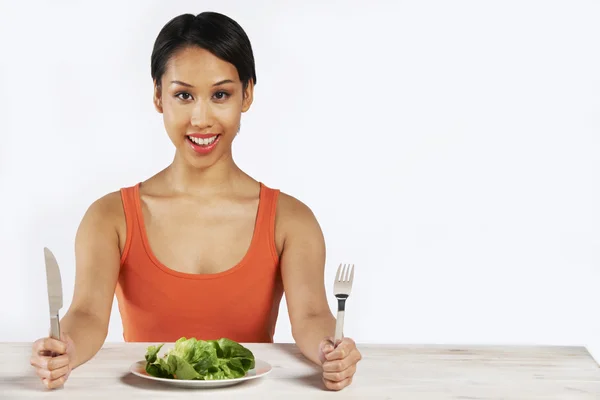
204 81
200 249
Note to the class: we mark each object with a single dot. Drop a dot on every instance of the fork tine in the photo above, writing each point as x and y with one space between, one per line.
346 272
352 274
338 275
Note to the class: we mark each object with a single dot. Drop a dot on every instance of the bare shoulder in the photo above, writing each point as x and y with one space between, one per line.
294 214
291 207
107 209
104 216
296 221
97 254
302 260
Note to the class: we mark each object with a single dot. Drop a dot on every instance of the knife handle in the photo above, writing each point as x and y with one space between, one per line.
55 327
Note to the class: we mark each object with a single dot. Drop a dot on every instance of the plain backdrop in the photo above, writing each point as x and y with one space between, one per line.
448 149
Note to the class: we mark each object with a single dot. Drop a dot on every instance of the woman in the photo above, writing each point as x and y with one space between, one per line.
200 249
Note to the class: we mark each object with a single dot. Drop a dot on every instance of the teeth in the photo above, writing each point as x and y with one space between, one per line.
203 142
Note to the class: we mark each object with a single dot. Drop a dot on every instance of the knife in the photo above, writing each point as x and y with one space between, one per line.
55 295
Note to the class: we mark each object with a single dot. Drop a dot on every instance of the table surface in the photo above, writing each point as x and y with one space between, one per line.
412 372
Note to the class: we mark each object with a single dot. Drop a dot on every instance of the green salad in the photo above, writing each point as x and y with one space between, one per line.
200 359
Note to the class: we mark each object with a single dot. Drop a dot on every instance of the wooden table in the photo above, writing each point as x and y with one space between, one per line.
386 372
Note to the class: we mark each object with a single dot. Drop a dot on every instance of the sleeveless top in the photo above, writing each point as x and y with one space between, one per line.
159 304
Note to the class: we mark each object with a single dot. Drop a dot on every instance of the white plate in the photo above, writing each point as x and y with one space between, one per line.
260 369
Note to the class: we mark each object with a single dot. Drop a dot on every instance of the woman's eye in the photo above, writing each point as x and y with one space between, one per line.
184 96
221 95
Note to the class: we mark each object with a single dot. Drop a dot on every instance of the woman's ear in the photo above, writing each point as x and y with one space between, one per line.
157 98
248 95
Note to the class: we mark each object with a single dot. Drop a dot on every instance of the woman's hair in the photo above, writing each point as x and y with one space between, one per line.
215 32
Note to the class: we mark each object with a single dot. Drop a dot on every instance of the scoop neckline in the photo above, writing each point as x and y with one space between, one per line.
187 275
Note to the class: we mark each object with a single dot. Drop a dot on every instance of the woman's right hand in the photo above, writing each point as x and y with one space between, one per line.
53 360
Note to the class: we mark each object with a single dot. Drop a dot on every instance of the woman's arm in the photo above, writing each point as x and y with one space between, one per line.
85 324
302 269
97 257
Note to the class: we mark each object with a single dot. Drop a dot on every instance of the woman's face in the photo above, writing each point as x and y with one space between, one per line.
201 98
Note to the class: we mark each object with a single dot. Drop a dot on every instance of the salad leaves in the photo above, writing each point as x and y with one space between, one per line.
200 359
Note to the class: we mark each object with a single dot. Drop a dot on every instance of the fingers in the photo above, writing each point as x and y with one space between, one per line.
54 371
49 345
327 346
50 363
338 370
340 365
54 384
337 385
52 374
342 350
340 375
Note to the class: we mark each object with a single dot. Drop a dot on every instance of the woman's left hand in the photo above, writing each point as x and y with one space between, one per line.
338 362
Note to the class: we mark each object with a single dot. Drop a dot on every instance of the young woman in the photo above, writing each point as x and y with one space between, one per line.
200 249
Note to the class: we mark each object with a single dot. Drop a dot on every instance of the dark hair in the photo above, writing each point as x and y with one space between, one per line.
215 32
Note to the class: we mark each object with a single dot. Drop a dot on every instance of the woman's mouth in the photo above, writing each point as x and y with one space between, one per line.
203 144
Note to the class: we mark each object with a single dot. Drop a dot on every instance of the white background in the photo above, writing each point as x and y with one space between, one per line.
449 149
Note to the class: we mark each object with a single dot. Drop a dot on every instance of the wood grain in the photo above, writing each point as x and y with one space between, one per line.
417 372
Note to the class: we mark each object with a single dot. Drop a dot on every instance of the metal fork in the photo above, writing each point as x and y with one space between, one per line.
341 289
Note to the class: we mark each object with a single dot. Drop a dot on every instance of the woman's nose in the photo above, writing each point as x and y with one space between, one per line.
201 115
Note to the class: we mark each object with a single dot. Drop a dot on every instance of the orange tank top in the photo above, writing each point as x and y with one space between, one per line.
159 304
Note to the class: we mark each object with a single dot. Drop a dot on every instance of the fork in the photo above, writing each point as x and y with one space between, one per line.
341 289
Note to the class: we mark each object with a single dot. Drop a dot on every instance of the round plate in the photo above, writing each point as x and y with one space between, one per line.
260 369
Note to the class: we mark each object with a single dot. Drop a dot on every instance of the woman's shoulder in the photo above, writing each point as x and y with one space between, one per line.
106 210
292 207
108 205
105 217
295 216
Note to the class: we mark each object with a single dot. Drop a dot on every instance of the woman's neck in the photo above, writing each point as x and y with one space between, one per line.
219 178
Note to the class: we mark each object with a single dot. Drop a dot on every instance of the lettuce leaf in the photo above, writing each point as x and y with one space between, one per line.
200 359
